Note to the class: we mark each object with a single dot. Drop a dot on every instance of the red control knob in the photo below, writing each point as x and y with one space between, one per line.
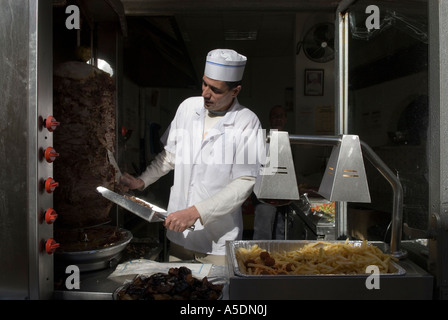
51 123
51 246
50 215
50 154
50 185
124 131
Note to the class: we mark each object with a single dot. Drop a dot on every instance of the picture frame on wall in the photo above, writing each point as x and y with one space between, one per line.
314 82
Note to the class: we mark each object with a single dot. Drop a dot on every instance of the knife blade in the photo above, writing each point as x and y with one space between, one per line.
139 207
132 206
112 161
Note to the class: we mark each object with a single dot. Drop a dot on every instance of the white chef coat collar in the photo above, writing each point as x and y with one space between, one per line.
228 118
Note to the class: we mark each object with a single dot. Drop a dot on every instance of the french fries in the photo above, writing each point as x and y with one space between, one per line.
315 258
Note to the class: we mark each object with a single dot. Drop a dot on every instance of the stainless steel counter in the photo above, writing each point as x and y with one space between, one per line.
101 285
415 284
94 285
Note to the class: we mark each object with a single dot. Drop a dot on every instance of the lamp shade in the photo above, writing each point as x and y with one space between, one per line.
277 184
345 176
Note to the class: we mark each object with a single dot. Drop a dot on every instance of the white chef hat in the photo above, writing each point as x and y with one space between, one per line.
225 65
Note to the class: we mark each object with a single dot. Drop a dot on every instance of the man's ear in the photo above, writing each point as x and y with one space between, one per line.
236 91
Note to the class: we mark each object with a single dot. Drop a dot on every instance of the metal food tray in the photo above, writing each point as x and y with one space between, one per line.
290 245
95 259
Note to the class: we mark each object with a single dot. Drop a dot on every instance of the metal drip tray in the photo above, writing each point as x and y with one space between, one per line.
104 256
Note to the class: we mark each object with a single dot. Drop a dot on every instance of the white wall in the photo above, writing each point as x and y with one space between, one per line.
378 108
310 159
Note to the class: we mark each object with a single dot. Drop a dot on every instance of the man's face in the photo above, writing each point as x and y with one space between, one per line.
277 118
217 95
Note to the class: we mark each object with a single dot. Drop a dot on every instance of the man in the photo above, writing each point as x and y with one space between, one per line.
269 220
208 144
277 118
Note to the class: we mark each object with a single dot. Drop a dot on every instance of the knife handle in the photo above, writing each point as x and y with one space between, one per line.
163 217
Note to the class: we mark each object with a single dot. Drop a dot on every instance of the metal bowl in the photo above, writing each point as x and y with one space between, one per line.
95 259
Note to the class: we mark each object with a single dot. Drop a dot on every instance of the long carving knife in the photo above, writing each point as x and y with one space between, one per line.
139 207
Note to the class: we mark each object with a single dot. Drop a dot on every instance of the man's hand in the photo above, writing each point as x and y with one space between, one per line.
129 182
180 220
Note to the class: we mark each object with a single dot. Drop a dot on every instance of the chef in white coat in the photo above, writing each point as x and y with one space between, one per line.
213 145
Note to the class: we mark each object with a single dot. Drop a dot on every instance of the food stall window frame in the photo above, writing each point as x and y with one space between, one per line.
437 233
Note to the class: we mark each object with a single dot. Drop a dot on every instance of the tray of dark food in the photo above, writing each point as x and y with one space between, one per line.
176 284
298 258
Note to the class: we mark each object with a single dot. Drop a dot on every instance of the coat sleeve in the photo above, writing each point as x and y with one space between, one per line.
160 166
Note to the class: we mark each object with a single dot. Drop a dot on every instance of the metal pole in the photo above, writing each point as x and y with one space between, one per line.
315 140
397 211
341 101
